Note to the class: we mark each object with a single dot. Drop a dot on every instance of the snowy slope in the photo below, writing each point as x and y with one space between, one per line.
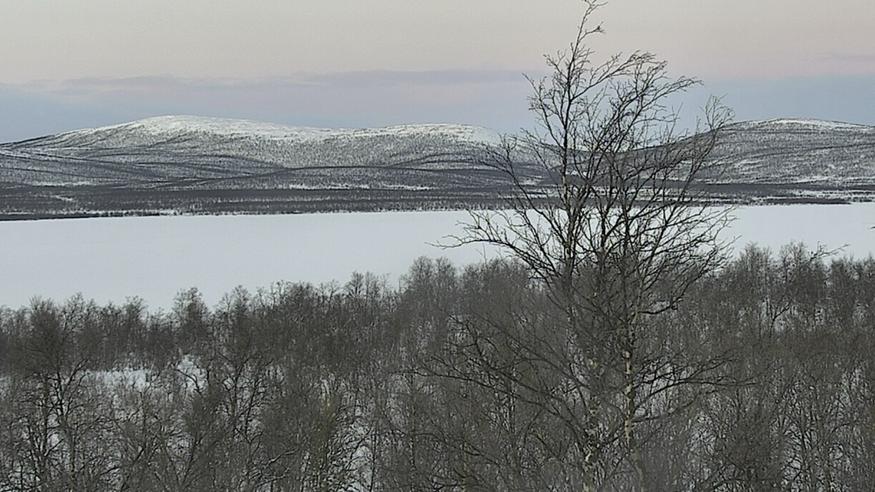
798 151
163 127
211 165
171 148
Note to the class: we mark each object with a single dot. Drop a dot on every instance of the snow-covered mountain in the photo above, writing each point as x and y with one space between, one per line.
783 151
172 150
164 129
198 164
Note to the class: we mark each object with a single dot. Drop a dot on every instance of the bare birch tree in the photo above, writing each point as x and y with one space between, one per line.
608 213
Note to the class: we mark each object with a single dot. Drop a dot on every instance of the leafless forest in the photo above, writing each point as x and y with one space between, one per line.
426 387
618 346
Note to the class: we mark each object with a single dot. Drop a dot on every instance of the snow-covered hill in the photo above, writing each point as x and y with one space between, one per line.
162 128
798 151
165 150
198 164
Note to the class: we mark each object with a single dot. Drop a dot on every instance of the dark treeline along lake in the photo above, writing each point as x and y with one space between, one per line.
607 328
422 385
455 373
154 258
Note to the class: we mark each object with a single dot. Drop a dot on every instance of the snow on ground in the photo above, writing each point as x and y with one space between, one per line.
814 124
137 378
177 125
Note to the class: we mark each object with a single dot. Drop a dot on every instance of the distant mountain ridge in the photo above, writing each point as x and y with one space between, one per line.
798 151
193 164
165 150
162 127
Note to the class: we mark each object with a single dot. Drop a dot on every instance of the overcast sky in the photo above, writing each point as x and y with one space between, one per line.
73 63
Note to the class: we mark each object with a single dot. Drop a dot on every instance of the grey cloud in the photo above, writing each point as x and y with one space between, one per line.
850 57
846 98
358 80
429 78
495 99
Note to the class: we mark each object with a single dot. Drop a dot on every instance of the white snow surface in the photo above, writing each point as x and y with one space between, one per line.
812 123
226 127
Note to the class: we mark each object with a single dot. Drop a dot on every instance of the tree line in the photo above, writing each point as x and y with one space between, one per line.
614 348
428 387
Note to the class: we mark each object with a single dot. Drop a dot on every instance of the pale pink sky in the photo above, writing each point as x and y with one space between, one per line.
41 39
66 64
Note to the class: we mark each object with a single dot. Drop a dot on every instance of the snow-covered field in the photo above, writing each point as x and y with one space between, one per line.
155 257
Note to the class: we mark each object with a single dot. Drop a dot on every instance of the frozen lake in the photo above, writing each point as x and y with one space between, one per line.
156 257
